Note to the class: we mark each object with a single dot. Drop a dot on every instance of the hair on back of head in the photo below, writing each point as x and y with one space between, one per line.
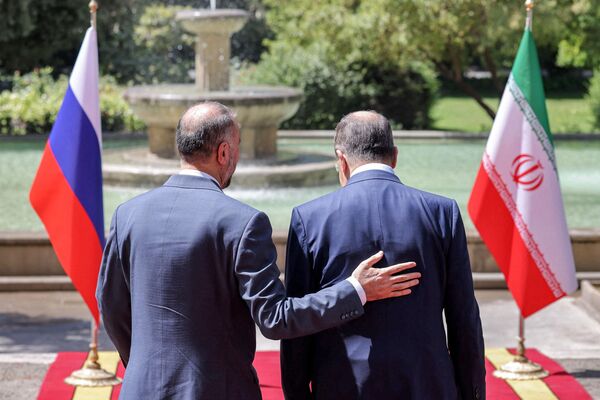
365 136
202 128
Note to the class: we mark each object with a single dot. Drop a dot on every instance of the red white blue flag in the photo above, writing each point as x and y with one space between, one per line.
67 189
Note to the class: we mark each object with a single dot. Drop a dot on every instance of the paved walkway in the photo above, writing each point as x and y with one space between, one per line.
34 326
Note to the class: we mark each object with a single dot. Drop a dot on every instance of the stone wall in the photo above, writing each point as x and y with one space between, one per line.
30 254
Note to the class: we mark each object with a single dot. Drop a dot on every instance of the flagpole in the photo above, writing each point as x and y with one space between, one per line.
521 338
92 374
521 368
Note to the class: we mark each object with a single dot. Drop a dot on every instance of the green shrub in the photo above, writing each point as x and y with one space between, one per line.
115 113
345 56
31 105
332 90
594 97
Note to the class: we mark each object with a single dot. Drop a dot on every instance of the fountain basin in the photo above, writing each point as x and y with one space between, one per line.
137 167
259 110
222 21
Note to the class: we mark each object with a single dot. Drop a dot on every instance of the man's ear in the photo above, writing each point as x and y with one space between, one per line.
344 167
395 157
223 153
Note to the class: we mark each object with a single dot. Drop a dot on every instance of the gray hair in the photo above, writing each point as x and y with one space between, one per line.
202 128
365 136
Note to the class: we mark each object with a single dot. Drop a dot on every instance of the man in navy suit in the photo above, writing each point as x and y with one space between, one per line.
187 271
399 348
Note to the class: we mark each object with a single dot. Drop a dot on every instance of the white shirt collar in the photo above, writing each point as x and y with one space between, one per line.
195 172
373 166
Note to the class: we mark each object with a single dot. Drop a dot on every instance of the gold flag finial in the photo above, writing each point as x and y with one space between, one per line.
93 8
529 4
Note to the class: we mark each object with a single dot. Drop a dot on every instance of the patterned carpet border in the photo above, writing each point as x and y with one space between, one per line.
559 385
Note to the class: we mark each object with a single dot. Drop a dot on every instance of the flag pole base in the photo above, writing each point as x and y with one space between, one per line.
521 369
92 374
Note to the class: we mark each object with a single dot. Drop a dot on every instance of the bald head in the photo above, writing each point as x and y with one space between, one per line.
365 136
364 116
201 129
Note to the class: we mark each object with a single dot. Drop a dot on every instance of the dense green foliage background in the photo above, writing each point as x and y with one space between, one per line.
448 37
594 97
133 38
388 55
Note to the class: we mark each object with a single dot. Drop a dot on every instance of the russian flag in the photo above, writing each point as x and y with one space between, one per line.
67 189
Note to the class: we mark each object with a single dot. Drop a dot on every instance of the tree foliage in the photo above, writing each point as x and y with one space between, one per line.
41 33
456 34
580 47
167 50
449 36
324 48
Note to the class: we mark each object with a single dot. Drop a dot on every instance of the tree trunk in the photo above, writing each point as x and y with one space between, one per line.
491 66
466 88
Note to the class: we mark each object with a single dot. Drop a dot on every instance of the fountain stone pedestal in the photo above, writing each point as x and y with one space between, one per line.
213 31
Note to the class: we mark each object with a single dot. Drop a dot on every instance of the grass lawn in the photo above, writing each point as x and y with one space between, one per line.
463 114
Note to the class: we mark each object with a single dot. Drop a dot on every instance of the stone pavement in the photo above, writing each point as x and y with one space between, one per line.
34 326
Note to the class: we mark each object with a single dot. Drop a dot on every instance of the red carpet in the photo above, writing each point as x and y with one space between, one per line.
559 385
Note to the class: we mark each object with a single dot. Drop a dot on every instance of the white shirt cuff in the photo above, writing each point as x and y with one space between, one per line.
359 289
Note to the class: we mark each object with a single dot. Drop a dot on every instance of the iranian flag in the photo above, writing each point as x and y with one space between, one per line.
516 204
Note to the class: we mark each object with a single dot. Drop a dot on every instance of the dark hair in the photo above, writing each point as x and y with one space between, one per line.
202 128
365 136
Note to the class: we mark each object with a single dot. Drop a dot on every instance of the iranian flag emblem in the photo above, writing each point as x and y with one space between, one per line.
516 203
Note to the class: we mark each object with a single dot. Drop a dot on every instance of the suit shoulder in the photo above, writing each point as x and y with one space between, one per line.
242 210
433 199
132 203
320 203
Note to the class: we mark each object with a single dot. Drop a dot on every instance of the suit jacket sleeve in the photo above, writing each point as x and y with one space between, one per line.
296 353
113 294
465 338
279 317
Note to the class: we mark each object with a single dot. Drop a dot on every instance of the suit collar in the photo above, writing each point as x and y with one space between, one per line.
373 174
373 166
192 182
195 172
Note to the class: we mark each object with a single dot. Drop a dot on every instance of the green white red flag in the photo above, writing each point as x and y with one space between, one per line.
516 203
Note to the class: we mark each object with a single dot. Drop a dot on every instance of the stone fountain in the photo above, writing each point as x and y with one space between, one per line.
259 109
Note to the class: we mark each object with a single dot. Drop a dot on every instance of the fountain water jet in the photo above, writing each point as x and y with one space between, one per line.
259 110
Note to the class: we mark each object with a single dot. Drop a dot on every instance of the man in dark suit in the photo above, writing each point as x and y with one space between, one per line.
187 271
398 349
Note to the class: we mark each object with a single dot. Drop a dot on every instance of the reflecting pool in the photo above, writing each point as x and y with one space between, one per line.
446 167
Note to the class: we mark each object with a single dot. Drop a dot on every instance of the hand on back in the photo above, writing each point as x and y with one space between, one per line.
383 283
